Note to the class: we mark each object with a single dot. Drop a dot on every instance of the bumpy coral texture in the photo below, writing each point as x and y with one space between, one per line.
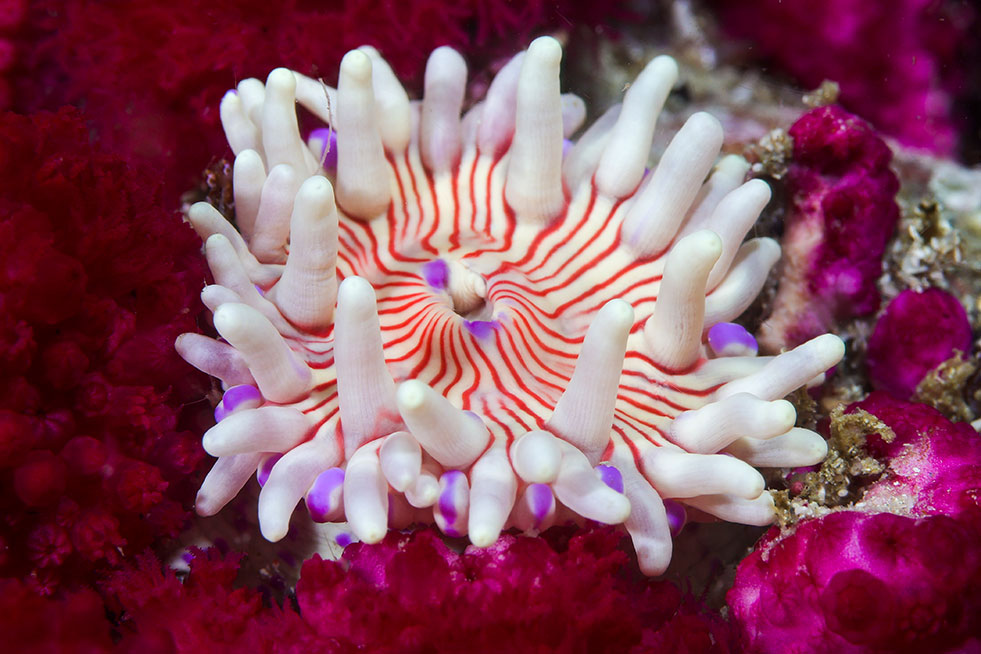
12 18
413 594
900 64
842 213
917 332
878 582
150 74
75 623
933 462
852 582
207 610
95 462
567 592
489 328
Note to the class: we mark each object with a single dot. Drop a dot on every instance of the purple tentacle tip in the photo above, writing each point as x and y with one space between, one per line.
611 477
676 516
446 505
324 496
235 396
481 328
566 146
436 273
262 474
727 339
328 147
451 508
542 501
220 412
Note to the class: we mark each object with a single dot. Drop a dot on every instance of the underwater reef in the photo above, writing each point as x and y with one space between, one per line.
439 327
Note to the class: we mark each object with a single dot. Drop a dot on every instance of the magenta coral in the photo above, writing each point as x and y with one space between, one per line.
874 582
897 62
934 462
842 214
854 582
916 333
568 592
411 593
96 283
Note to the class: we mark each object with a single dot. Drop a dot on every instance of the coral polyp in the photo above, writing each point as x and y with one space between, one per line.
470 320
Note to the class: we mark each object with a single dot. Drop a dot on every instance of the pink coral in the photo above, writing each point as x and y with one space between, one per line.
842 213
854 582
934 462
565 594
899 63
95 284
877 582
916 333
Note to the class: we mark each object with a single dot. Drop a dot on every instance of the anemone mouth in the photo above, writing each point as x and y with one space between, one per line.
464 289
486 328
480 313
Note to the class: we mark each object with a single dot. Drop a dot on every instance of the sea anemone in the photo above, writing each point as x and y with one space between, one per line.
491 327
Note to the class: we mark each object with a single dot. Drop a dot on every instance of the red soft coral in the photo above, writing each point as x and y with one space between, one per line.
411 593
567 592
151 74
96 283
75 624
154 611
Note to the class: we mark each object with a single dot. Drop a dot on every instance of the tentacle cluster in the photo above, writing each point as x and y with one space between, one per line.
474 321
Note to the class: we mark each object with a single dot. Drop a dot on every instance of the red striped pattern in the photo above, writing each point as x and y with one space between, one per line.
544 285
